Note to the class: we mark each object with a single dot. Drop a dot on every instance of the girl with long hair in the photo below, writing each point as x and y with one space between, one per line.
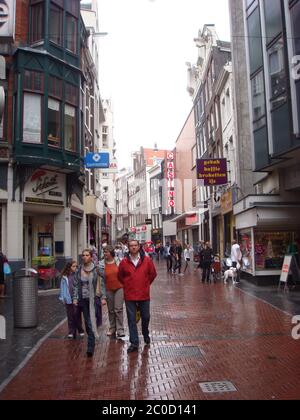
66 296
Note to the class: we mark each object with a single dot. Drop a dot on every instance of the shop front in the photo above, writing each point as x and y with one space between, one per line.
46 225
94 211
143 233
228 222
271 235
157 236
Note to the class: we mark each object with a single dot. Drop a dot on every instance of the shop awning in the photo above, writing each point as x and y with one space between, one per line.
94 206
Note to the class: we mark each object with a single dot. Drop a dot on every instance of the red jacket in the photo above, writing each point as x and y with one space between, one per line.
137 280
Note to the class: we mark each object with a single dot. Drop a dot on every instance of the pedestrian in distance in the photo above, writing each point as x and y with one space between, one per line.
66 293
109 270
3 260
236 258
173 254
168 257
188 256
89 294
179 251
207 257
94 251
137 272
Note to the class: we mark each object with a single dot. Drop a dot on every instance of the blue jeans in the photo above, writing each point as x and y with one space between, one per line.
131 308
85 304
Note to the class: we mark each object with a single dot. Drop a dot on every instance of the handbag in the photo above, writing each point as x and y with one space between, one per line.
6 269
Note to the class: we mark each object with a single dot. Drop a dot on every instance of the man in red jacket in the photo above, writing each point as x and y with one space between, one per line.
137 273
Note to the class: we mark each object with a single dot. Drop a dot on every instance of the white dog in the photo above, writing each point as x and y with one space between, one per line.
232 272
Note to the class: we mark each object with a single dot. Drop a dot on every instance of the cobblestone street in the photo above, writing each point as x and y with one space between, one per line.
200 333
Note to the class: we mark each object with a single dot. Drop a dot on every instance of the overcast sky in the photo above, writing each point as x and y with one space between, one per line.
142 65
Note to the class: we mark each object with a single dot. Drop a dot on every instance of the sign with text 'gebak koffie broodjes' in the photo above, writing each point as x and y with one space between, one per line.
212 171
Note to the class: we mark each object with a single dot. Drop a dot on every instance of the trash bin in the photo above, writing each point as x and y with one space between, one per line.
25 298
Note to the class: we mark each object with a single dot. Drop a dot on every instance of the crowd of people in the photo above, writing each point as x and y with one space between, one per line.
124 274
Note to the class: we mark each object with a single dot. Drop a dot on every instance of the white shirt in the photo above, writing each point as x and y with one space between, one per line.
135 260
236 254
188 254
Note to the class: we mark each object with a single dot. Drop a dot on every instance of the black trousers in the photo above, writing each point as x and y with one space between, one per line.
206 271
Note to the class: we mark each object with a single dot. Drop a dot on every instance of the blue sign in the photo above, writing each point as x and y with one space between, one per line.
97 160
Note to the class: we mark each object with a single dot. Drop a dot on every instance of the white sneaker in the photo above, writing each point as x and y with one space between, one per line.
70 335
81 335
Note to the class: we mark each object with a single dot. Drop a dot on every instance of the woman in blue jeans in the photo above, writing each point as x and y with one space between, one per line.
89 293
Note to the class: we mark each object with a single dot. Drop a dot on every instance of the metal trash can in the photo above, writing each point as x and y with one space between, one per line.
25 298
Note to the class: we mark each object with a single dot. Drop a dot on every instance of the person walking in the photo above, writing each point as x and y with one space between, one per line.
188 256
114 293
2 276
168 257
89 293
207 259
66 292
179 251
137 272
236 257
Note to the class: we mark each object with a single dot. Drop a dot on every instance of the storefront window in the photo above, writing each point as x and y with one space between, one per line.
271 248
246 248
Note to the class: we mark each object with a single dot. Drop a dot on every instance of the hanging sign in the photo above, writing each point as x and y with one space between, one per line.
212 171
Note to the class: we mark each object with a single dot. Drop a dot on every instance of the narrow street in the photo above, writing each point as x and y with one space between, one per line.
200 333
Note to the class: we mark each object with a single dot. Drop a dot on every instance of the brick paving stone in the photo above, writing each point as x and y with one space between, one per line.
240 338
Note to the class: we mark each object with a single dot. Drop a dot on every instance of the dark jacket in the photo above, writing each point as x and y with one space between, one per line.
207 255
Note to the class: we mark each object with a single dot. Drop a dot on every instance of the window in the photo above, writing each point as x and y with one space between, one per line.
32 118
37 22
258 100
55 87
278 75
55 24
71 33
70 128
273 18
255 43
71 94
33 81
53 122
295 18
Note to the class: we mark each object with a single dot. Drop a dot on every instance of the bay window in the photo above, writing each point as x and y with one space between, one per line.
32 125
53 122
71 33
55 24
70 128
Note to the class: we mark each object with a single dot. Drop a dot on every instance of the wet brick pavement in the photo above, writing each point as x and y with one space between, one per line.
200 333
19 342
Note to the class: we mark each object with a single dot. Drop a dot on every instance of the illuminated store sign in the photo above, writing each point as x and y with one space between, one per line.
171 179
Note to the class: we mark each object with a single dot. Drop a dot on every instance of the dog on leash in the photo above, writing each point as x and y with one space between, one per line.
231 273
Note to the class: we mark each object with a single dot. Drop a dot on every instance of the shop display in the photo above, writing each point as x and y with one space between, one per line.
246 248
271 248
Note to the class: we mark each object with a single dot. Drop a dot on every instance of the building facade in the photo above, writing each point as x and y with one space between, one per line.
43 132
213 55
267 221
